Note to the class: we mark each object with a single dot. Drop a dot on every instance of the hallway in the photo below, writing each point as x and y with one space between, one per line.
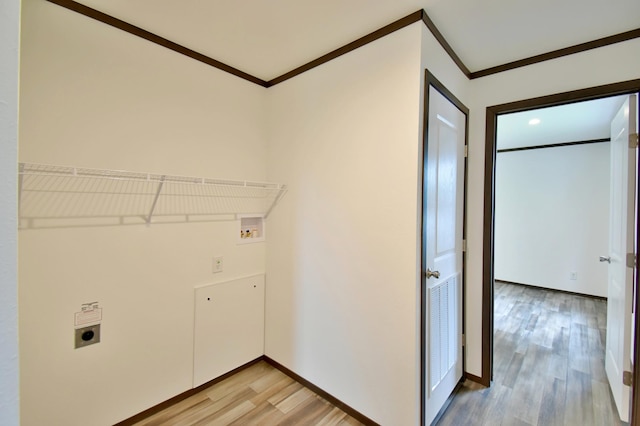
548 364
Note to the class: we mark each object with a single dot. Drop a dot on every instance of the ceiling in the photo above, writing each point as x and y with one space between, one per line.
565 123
269 38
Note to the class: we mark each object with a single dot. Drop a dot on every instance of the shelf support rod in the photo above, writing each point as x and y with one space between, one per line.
283 189
155 200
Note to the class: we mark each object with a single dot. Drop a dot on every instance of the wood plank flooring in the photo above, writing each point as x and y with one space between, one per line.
548 364
257 395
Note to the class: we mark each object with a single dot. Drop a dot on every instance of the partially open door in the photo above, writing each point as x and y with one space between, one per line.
621 256
443 212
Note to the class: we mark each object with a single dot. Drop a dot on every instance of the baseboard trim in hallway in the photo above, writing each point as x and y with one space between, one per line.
572 293
473 378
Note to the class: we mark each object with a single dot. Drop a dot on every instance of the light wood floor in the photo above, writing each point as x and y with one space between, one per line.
548 364
257 395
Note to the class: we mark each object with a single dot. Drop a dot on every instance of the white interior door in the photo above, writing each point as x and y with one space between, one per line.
443 216
621 242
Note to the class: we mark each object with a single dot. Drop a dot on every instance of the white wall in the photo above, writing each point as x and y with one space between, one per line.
343 257
9 35
552 217
94 96
615 63
341 275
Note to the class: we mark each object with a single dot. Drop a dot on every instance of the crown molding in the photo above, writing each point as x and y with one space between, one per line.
382 32
420 15
154 38
443 42
577 48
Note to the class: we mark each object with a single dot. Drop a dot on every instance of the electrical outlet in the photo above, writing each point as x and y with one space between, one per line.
218 264
573 276
86 336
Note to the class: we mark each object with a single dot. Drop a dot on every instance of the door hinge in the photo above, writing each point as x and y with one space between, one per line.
633 140
632 260
464 340
466 151
627 378
464 245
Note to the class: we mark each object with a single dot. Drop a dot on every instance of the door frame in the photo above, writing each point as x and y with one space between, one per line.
431 80
492 112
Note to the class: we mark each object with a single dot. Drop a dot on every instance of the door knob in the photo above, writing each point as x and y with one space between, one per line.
605 259
430 273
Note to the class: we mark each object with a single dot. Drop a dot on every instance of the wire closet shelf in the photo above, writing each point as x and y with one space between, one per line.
61 192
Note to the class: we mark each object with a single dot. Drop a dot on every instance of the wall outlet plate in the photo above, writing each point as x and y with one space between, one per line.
86 336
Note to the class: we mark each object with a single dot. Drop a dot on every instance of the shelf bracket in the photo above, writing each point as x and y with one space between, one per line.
155 200
283 189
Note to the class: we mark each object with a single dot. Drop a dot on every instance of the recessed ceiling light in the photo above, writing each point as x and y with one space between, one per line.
534 121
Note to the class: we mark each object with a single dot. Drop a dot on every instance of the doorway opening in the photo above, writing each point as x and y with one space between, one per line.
552 196
494 254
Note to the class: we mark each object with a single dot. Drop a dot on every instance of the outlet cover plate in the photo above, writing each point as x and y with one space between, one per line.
86 336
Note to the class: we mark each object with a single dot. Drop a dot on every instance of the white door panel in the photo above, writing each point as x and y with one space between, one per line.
444 204
621 242
443 300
